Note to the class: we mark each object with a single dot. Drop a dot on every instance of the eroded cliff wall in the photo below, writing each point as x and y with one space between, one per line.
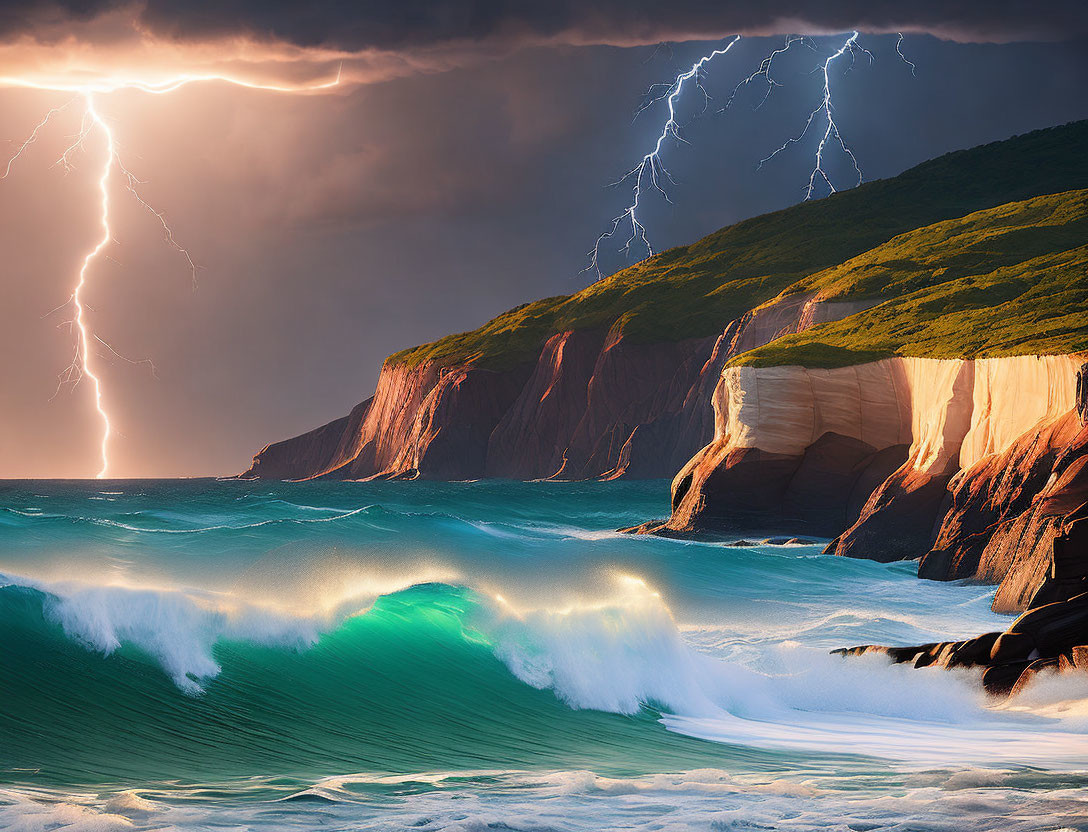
593 404
964 462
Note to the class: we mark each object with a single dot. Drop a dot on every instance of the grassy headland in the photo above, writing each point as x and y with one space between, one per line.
694 291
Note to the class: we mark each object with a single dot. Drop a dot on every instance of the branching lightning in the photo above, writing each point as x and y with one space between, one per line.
826 108
764 72
84 362
651 169
83 350
651 172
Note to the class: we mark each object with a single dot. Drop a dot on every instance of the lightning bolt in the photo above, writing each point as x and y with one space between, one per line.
899 52
764 71
651 170
84 362
84 349
826 108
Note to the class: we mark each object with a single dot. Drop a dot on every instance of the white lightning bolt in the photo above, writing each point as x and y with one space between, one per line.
83 364
84 349
827 108
764 71
33 137
651 169
899 52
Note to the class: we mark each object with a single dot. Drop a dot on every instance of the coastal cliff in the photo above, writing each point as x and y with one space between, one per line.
617 380
971 463
894 368
895 459
593 405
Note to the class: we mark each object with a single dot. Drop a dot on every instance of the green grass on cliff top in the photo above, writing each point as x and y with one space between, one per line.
1011 280
695 290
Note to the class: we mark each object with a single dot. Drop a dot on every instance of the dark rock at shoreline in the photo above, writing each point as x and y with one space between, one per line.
1052 637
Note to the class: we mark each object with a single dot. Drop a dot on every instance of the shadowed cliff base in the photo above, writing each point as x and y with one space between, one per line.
996 459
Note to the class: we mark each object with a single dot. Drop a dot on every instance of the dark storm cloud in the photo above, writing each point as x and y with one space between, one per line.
415 24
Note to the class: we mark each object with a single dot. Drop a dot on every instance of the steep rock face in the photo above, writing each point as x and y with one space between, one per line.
973 464
424 421
593 405
633 403
311 454
782 431
600 406
1025 549
898 517
433 422
992 492
1001 515
531 437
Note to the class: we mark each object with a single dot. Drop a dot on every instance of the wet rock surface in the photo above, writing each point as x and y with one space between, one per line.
1052 636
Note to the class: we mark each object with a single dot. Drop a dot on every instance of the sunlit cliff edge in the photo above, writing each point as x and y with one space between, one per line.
894 367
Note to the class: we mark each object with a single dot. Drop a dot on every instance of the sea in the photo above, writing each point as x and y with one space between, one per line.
253 655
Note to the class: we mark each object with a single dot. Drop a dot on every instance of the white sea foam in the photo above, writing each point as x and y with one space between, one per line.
576 801
626 652
177 628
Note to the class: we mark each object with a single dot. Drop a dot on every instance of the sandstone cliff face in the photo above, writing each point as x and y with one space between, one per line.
995 438
972 464
593 405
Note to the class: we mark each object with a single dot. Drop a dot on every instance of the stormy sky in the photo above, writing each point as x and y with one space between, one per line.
460 169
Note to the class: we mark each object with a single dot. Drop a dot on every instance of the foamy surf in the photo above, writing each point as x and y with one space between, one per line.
622 653
451 655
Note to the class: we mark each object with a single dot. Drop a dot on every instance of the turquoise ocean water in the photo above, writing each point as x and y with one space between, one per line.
488 655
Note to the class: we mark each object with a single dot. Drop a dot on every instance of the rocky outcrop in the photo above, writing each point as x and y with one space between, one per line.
1026 550
995 491
1006 511
1049 637
593 405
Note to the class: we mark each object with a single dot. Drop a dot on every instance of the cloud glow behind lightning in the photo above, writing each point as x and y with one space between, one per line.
83 364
